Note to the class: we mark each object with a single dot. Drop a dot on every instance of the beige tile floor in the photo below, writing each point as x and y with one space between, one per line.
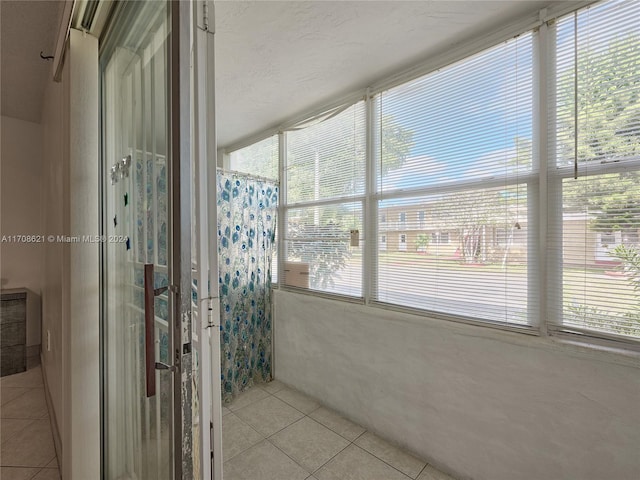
273 432
26 442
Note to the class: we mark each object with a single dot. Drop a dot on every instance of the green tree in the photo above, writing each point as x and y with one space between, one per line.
260 158
630 258
608 103
328 160
395 145
475 216
325 160
422 242
608 129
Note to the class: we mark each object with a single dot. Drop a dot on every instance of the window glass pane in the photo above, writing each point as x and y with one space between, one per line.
460 139
327 160
259 159
595 233
455 263
469 121
319 251
601 253
608 72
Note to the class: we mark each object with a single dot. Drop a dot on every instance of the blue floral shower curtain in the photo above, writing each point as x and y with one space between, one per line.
247 209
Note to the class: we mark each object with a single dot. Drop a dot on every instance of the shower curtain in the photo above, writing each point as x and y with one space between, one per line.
247 209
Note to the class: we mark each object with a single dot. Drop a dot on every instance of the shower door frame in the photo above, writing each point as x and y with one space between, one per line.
179 205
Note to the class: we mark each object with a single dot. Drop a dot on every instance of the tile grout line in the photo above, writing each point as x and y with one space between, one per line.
5 440
294 460
382 460
332 430
264 437
251 446
2 407
267 438
35 474
351 442
28 390
423 469
305 415
325 463
288 456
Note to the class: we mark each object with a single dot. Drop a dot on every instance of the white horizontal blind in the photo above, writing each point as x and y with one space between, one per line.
454 182
260 158
595 131
325 173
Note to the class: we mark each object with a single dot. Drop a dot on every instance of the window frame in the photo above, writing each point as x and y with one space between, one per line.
552 177
541 184
285 207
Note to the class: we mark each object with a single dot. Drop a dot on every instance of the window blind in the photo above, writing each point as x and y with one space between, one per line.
260 158
454 174
594 173
325 172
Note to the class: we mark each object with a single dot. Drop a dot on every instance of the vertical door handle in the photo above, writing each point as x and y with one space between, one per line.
150 364
149 341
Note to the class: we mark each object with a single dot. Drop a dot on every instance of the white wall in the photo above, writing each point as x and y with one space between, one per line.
477 402
54 191
71 270
21 173
20 214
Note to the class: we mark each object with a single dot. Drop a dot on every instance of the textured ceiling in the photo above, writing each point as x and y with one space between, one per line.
27 28
274 60
277 60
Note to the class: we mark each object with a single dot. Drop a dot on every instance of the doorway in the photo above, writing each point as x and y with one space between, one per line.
139 365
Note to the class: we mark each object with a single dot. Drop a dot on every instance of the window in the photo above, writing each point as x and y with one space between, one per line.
595 133
259 159
402 242
456 174
458 144
440 238
630 237
502 237
325 173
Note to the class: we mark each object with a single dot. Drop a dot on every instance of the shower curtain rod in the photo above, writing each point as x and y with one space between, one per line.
250 175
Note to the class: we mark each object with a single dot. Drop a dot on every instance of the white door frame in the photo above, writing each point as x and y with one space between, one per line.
207 327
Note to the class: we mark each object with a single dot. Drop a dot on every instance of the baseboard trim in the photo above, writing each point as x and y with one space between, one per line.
57 442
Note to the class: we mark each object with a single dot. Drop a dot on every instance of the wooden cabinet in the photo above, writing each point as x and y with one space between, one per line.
13 333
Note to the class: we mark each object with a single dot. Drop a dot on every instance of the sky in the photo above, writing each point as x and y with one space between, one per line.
465 118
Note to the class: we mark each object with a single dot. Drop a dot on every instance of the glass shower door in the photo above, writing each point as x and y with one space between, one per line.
138 380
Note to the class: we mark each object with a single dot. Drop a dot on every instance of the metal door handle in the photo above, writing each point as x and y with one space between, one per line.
164 366
149 341
149 318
